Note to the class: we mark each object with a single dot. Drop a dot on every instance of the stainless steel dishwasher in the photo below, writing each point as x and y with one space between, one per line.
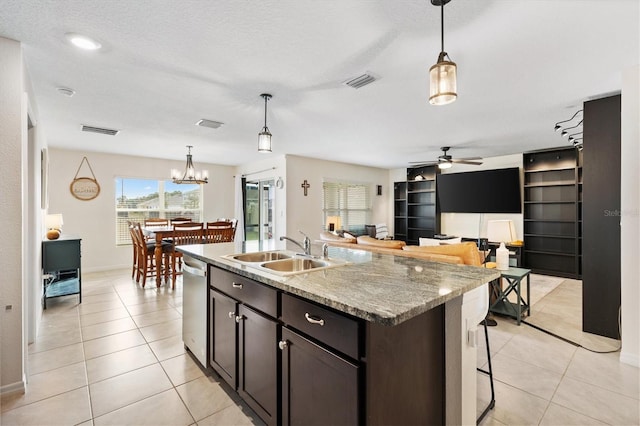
194 307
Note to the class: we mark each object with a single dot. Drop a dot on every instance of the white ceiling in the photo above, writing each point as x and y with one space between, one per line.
522 66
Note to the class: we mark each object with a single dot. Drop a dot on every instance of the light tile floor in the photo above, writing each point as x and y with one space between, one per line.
118 359
540 379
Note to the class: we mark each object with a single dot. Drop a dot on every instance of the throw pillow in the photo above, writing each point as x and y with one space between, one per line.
451 241
381 231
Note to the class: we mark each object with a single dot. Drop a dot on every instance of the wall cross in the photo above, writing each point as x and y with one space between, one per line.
305 185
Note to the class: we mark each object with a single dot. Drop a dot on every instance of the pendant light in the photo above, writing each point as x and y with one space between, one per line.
442 76
190 175
264 137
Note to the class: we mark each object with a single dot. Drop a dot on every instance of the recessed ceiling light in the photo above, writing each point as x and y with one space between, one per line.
82 41
66 91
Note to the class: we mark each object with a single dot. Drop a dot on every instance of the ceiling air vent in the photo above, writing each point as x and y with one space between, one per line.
360 81
209 123
100 130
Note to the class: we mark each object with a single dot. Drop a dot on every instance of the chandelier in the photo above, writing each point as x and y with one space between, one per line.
190 175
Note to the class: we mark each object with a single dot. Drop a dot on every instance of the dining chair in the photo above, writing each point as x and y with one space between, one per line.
184 233
131 224
156 221
146 265
181 220
220 232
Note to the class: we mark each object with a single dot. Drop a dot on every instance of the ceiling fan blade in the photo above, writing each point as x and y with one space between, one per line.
424 163
471 158
462 161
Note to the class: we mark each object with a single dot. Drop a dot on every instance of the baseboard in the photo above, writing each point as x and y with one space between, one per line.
13 387
631 359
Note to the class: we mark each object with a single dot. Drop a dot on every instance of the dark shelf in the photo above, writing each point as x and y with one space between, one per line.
552 212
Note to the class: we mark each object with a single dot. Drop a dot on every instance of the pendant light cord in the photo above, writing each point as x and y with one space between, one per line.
442 26
265 111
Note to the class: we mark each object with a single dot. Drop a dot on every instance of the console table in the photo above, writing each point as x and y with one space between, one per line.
502 305
61 267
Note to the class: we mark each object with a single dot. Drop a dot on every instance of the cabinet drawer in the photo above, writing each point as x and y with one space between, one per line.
329 327
245 290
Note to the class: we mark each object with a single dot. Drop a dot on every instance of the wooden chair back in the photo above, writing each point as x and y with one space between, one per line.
190 233
181 220
156 221
220 232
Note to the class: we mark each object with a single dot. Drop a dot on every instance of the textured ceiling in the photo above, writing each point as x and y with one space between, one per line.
522 66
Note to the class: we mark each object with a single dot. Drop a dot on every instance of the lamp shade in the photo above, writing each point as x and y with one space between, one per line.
501 231
442 82
54 221
334 223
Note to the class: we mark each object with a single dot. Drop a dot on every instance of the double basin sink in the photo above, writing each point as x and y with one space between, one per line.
284 262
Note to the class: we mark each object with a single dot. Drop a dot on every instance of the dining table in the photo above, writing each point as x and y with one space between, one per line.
167 233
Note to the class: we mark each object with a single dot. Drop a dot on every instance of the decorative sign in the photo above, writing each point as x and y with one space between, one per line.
85 188
305 185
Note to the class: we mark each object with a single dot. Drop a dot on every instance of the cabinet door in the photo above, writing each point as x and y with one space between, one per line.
258 363
223 340
318 387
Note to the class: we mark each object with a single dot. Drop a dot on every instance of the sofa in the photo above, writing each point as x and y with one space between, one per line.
465 253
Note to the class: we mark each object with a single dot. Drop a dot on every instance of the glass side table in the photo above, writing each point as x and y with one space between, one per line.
502 304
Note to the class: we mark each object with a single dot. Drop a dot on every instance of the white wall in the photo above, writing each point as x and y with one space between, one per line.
630 220
305 213
474 225
94 220
13 136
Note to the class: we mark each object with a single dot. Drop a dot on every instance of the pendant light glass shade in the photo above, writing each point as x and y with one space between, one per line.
443 81
264 137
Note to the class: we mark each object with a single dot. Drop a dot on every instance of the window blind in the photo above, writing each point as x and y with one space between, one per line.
350 201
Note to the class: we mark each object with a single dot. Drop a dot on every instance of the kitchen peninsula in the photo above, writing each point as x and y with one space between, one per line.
378 340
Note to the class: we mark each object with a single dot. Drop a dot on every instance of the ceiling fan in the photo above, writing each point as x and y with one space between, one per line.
445 161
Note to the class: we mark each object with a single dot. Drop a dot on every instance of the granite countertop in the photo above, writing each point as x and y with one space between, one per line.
380 288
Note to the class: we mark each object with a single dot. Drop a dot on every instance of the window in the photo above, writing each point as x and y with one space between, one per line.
140 199
350 201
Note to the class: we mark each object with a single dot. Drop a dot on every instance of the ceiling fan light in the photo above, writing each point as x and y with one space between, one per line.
444 165
443 82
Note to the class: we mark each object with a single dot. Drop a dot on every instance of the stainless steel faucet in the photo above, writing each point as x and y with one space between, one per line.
306 243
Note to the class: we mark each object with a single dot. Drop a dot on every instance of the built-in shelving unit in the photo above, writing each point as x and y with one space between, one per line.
400 210
416 211
553 212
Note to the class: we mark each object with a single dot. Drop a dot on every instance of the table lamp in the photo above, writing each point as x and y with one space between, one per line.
333 223
53 223
501 231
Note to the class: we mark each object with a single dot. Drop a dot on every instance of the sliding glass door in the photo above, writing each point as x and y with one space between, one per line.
258 210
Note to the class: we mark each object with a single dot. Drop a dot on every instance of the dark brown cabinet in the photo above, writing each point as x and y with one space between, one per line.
223 337
61 261
243 341
318 386
297 362
258 363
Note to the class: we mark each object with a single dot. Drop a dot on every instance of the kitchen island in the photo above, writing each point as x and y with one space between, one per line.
378 340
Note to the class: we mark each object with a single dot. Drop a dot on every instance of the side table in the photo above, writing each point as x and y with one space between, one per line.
502 304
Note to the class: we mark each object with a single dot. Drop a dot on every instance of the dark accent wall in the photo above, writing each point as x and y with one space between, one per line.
601 217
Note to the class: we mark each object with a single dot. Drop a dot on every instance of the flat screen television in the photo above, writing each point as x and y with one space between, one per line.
486 191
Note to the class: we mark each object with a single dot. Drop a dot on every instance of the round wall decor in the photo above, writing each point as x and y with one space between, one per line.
84 188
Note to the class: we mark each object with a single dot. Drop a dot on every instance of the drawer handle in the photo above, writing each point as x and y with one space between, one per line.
283 344
313 320
232 315
236 285
239 318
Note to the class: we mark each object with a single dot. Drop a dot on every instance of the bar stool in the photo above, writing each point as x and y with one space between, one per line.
492 403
